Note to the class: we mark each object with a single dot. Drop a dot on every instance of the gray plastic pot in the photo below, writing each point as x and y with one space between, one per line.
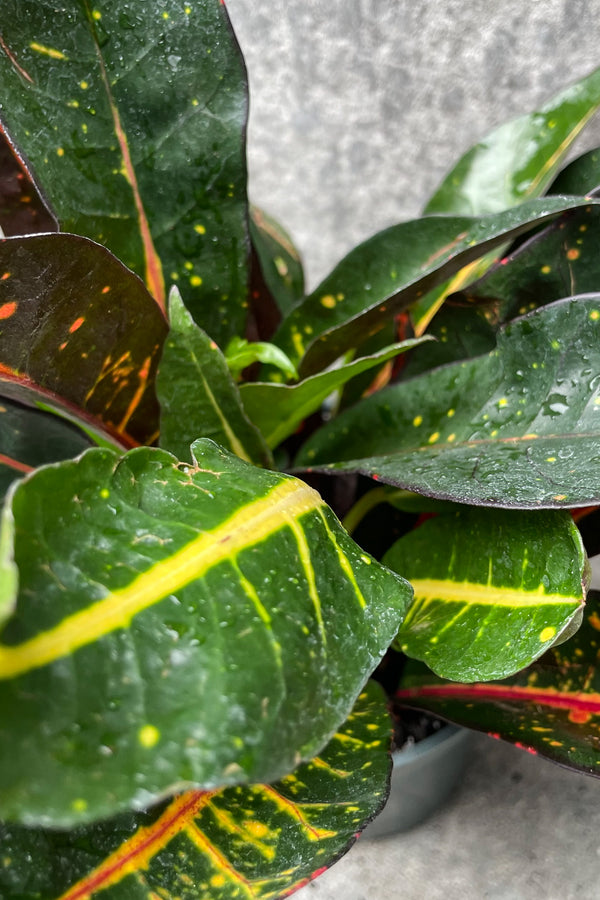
423 777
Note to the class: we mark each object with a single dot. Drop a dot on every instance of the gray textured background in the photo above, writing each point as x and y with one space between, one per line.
359 107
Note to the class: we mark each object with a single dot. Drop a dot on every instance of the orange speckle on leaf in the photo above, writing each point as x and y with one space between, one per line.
105 289
573 253
5 276
579 716
76 324
594 621
63 345
8 309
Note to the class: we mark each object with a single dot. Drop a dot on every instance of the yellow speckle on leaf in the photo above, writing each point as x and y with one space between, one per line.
195 281
194 102
79 805
560 497
550 459
188 10
546 634
595 315
60 151
165 15
84 85
502 402
105 493
74 104
47 51
418 420
218 881
96 14
199 229
583 227
188 265
433 437
450 413
545 270
328 301
451 437
149 736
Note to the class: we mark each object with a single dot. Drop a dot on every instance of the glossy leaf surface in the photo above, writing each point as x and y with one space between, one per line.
580 177
197 395
552 708
22 209
177 626
493 589
70 318
387 273
518 427
262 841
277 409
519 159
119 109
560 261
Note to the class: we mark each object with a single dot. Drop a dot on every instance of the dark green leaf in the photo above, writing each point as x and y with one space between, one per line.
263 841
30 438
132 116
519 159
519 427
177 626
279 261
70 317
197 394
580 177
493 589
560 261
278 409
552 708
391 270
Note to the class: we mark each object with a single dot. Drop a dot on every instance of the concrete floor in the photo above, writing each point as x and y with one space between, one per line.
517 828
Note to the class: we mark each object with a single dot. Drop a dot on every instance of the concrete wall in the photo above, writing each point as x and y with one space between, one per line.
359 107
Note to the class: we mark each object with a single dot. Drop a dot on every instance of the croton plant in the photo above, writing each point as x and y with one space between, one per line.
188 630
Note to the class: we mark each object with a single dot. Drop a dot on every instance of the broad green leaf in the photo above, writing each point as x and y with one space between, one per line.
519 159
580 177
552 708
241 353
22 209
132 117
70 317
559 261
261 841
30 438
518 427
278 409
493 589
197 394
387 273
177 626
279 261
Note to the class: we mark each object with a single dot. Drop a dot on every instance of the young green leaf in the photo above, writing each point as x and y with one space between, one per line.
177 626
241 353
493 589
119 109
518 427
278 409
257 842
70 318
197 394
552 708
519 159
391 270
